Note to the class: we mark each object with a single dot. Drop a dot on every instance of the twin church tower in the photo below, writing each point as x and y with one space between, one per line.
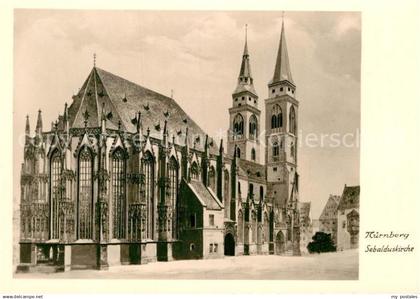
281 113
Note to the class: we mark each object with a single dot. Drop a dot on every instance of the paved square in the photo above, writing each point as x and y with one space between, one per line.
342 265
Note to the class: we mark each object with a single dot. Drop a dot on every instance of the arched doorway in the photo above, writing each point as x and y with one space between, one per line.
229 245
279 243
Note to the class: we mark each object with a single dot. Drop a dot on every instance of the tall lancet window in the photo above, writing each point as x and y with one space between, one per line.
212 179
253 125
238 125
276 117
118 193
85 196
173 191
55 193
148 170
292 121
194 171
276 149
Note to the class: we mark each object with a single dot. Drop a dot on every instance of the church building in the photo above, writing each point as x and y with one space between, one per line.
125 176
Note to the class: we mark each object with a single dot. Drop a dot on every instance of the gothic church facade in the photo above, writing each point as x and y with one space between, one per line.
125 176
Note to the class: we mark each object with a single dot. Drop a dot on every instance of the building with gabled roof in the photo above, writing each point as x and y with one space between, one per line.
348 218
328 217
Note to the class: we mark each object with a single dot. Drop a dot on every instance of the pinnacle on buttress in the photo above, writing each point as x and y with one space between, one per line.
39 122
27 126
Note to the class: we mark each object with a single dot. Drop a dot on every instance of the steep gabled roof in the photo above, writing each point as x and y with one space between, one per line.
350 198
330 208
122 100
206 197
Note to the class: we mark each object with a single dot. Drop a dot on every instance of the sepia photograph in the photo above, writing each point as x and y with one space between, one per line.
152 144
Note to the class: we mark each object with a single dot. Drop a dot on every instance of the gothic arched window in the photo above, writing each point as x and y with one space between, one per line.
85 194
292 121
251 190
253 127
253 155
194 171
238 125
212 179
261 193
238 152
276 117
148 172
276 149
55 192
173 190
118 193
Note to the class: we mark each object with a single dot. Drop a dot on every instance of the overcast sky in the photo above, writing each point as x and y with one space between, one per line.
198 55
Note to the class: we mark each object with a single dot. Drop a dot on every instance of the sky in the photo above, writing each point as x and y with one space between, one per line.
198 56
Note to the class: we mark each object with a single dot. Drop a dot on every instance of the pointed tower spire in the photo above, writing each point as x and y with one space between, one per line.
39 123
27 126
246 41
282 70
245 80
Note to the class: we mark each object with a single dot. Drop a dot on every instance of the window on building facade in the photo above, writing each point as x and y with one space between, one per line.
148 171
118 193
238 152
85 196
211 220
56 192
276 149
253 127
238 125
173 189
292 121
192 221
212 178
253 154
276 117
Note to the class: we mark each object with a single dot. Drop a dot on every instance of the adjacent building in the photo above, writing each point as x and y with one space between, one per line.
348 218
328 218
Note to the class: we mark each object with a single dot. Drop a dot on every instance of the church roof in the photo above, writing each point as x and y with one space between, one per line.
119 100
251 170
350 198
282 70
205 196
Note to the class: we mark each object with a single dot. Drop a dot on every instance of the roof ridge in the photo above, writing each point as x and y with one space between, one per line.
110 98
83 99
